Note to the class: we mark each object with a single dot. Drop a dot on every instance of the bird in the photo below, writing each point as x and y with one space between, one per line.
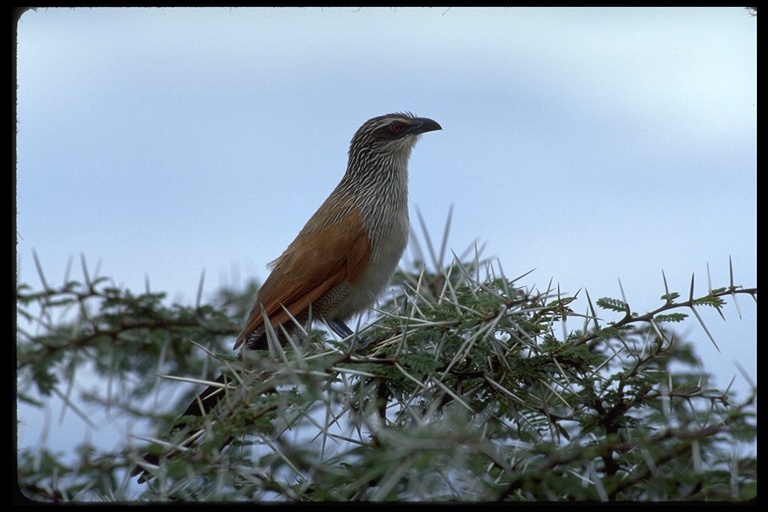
343 257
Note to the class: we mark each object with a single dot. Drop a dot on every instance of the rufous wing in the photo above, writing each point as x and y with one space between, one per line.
321 257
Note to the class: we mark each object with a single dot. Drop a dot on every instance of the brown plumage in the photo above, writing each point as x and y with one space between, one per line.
346 253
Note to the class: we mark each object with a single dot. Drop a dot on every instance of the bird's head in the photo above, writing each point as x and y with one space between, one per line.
390 137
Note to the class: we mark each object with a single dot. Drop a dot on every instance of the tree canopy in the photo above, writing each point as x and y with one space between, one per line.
466 386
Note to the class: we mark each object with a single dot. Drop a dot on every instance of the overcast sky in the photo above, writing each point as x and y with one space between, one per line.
592 145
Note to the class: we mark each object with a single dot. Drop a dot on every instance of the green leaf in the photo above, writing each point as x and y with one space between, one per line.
709 300
613 304
670 317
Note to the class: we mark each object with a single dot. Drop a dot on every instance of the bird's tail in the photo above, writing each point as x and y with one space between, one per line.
202 405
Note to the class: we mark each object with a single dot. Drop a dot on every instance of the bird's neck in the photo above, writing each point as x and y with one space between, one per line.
379 190
374 180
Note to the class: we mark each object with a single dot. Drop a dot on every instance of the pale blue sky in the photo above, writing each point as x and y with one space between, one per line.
589 144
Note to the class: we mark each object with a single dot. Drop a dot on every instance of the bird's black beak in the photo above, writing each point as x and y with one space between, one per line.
421 125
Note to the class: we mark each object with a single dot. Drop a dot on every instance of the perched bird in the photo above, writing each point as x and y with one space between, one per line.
345 255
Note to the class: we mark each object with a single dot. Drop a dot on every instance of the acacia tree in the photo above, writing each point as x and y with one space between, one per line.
466 387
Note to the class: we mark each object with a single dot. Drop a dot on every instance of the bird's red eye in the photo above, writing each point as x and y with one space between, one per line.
396 128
